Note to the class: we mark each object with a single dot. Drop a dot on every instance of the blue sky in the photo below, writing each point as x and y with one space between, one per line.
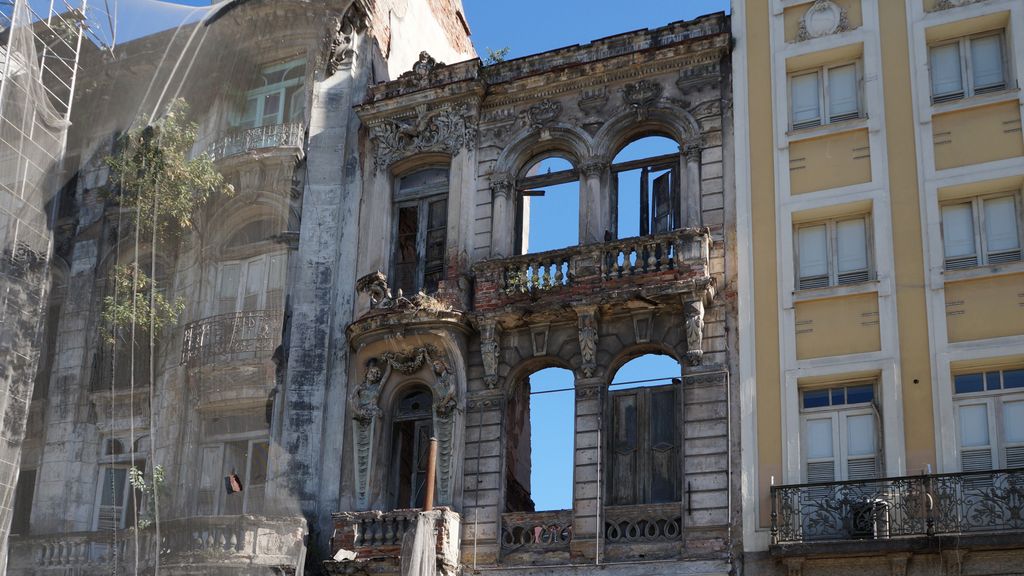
530 27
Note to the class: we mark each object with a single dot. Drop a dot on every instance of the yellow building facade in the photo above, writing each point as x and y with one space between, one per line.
880 164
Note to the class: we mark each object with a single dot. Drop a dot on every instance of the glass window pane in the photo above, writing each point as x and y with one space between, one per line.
1013 378
229 277
860 394
819 438
992 381
813 246
838 396
815 398
987 61
1013 421
967 383
853 245
275 275
805 100
254 280
248 119
958 230
1001 224
113 486
945 65
842 91
860 435
271 109
974 425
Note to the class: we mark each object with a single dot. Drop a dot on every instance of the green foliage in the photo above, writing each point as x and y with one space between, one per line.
496 56
154 175
119 314
138 481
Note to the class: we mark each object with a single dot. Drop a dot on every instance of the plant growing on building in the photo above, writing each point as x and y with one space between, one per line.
496 56
148 490
132 304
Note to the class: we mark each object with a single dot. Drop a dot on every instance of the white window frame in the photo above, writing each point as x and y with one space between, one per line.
982 256
251 439
285 109
834 278
824 117
840 442
993 400
963 44
244 265
122 461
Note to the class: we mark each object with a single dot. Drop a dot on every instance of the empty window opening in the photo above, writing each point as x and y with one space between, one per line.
413 427
646 194
644 439
539 474
549 206
277 98
233 474
23 494
420 230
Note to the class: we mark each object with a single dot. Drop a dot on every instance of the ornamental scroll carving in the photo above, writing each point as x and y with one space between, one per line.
366 412
343 35
448 131
489 348
588 340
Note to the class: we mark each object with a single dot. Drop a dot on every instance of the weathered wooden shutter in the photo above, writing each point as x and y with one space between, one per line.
623 476
644 466
663 469
663 203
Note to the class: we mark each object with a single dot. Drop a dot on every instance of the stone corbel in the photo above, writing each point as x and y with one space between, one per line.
587 317
489 349
693 318
343 34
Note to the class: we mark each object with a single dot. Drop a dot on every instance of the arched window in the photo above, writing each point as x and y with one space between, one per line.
277 98
413 427
248 279
420 233
646 177
549 205
645 412
539 455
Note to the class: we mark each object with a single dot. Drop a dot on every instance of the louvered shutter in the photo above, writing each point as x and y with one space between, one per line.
947 81
805 100
861 447
852 251
958 236
1002 239
975 446
1013 434
843 93
813 256
987 65
820 451
622 485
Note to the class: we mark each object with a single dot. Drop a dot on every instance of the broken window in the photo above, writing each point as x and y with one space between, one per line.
644 412
115 498
420 230
413 427
539 455
548 194
646 188
233 470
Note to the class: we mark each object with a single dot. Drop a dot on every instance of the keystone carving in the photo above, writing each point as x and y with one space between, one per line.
447 131
641 96
694 317
823 18
592 104
588 340
489 347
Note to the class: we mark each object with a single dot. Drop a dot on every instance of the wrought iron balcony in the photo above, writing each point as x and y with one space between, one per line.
261 137
657 264
249 331
894 508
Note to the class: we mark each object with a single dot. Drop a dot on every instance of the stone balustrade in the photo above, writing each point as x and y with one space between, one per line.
376 536
558 276
260 137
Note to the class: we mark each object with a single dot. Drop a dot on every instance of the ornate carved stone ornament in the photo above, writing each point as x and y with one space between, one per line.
595 166
641 96
823 18
592 103
587 318
448 131
693 314
543 114
489 347
343 33
376 285
422 69
364 402
947 4
501 185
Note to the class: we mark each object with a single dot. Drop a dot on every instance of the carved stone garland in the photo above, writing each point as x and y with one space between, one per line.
364 402
448 131
588 339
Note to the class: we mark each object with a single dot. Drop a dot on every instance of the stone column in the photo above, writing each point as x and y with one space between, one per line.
691 197
588 466
595 216
502 214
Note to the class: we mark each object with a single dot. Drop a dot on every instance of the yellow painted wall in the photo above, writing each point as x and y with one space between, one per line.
837 326
985 308
977 135
832 161
795 14
908 250
766 294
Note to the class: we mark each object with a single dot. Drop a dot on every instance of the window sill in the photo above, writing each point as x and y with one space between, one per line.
984 271
970 102
809 294
827 129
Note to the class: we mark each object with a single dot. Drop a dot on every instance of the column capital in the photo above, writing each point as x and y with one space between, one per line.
595 166
501 185
692 150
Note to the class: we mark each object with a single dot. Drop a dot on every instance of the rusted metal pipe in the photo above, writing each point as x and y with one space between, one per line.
428 498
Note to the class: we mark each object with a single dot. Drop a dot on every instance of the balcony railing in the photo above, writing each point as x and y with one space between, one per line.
622 264
261 137
927 505
380 535
250 331
536 531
